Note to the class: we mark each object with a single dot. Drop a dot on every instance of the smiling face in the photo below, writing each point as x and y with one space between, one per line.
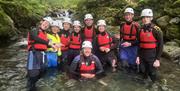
44 25
101 28
88 22
146 19
77 28
66 26
87 51
54 29
128 17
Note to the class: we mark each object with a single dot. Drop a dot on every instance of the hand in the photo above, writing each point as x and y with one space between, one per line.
126 44
137 61
62 44
156 63
88 75
102 49
107 50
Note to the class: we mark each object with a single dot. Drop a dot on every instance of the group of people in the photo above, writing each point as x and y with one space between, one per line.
86 52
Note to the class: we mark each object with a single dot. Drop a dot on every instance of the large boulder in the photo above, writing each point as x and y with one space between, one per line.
163 21
6 24
172 51
172 32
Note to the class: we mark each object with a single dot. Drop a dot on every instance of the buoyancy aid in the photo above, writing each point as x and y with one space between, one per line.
104 40
38 46
75 41
89 34
129 31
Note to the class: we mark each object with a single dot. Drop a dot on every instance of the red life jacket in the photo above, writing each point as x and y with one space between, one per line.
104 41
147 39
88 33
65 40
38 46
128 32
75 41
87 69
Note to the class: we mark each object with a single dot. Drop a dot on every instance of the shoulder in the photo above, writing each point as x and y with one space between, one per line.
157 28
76 59
95 57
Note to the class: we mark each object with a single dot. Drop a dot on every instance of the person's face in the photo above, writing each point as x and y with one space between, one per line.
55 29
128 16
66 26
88 22
101 28
87 51
44 25
146 19
77 28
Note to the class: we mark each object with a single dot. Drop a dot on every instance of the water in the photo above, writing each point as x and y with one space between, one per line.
13 77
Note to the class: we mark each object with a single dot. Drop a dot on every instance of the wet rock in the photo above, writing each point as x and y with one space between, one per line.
172 76
163 21
171 52
175 20
172 32
46 88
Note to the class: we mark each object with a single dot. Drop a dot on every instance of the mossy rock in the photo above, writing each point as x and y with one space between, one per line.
6 24
163 21
172 32
24 13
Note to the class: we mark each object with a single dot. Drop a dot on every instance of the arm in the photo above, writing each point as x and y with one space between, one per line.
159 49
99 68
74 65
34 37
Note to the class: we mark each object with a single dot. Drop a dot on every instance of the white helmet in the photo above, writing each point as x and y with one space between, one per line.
55 23
88 16
86 44
49 19
59 23
146 12
68 20
101 22
129 10
76 23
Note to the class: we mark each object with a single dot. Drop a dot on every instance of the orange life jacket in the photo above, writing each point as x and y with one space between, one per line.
31 43
87 69
65 40
147 39
128 32
89 34
75 41
104 41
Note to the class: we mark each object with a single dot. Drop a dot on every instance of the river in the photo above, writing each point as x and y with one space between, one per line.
13 76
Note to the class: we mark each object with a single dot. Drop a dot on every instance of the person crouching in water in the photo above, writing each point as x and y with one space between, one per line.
105 45
86 65
150 46
75 43
53 53
37 45
128 41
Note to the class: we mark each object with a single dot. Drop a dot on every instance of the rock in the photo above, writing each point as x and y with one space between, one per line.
171 52
6 23
171 76
172 43
163 21
175 20
172 32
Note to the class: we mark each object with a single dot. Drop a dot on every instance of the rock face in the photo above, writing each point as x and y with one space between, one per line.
16 14
172 51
